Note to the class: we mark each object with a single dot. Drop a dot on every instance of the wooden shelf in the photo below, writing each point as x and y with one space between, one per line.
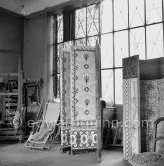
11 101
9 74
11 104
6 129
9 93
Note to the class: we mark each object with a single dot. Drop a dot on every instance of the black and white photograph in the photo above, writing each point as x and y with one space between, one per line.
81 82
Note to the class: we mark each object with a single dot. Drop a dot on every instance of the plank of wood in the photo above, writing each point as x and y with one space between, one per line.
9 93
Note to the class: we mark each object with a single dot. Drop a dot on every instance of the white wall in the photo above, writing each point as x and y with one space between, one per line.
36 5
37 60
35 49
30 5
13 5
11 37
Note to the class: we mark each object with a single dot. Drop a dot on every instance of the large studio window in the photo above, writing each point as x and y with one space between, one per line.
124 28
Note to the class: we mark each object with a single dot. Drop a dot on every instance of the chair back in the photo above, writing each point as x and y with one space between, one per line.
157 133
52 112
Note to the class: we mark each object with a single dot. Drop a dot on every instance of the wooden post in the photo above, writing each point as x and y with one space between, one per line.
19 84
20 89
50 56
98 97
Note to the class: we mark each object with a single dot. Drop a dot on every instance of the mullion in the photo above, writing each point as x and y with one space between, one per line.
111 68
128 29
87 37
113 53
99 34
145 30
162 23
99 37
142 26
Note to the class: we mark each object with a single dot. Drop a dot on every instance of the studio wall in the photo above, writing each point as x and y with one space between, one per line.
11 40
36 59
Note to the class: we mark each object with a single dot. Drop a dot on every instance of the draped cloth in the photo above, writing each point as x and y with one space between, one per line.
43 133
79 89
83 98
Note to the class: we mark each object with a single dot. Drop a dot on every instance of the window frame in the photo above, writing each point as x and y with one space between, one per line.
128 29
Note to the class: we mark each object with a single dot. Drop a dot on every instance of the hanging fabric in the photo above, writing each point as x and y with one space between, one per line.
80 98
65 98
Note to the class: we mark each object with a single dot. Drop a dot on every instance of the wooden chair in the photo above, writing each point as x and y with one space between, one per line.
47 131
155 137
149 158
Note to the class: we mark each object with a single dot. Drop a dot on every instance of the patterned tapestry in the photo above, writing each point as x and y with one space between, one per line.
130 67
65 98
83 98
151 101
126 115
131 110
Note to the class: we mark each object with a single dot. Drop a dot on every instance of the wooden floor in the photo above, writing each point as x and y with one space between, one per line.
15 154
113 157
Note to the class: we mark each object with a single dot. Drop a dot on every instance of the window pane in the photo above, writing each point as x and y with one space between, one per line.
107 23
107 51
118 86
107 86
92 20
67 45
80 23
121 47
60 28
120 14
92 41
136 13
137 42
153 11
80 42
154 41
